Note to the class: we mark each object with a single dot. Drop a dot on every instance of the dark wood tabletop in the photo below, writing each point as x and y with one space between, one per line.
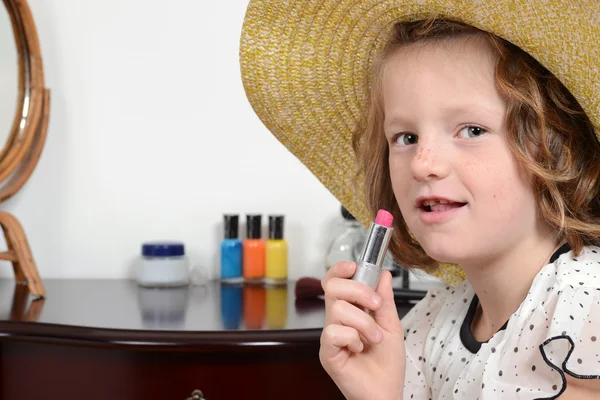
121 313
161 343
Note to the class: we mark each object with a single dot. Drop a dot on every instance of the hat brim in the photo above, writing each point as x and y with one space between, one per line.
304 63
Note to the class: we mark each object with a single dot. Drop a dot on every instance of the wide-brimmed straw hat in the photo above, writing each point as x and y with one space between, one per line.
304 65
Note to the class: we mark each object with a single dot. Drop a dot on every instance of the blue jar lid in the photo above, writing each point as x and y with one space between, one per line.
163 249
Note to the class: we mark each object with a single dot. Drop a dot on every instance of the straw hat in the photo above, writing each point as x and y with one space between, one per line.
303 66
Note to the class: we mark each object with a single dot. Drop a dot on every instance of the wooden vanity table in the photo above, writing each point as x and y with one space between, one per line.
111 339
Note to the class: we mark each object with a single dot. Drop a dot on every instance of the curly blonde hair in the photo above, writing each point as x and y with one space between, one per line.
548 133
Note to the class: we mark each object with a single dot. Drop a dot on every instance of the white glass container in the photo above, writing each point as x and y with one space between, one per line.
163 264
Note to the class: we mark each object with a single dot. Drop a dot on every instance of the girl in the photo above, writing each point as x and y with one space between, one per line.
487 161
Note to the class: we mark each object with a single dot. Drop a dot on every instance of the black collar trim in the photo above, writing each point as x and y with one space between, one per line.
466 336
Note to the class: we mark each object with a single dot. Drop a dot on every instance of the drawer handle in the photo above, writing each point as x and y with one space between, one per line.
196 395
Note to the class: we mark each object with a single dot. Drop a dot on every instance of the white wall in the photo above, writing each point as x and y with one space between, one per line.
149 138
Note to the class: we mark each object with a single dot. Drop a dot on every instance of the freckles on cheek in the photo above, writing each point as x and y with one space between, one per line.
507 192
504 201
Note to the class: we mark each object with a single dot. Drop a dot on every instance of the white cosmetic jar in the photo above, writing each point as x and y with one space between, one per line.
163 264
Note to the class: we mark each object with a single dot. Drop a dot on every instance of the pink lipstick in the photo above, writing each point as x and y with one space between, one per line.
375 248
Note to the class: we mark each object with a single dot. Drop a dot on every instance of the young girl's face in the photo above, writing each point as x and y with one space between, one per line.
444 123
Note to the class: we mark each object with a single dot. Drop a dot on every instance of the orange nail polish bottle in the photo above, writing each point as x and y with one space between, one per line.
254 250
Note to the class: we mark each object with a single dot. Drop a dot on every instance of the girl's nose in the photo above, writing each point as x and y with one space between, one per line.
429 162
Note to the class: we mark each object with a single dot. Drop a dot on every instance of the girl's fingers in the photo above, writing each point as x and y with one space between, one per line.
344 313
353 292
343 269
337 337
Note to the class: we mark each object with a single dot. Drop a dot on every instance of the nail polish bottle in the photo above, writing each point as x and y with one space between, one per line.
254 250
231 250
277 252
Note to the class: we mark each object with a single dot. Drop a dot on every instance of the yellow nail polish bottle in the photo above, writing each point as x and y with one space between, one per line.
277 252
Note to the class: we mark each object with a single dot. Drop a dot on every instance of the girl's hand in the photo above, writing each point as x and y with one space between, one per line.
363 354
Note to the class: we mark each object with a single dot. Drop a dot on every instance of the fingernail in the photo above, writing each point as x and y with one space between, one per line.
376 300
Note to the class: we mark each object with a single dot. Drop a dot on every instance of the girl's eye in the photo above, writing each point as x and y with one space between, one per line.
405 139
471 131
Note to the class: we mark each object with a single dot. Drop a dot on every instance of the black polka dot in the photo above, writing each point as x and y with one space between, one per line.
554 387
493 349
593 338
570 316
518 390
500 372
531 327
579 361
463 359
533 368
516 349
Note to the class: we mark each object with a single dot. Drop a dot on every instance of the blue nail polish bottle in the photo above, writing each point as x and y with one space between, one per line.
231 250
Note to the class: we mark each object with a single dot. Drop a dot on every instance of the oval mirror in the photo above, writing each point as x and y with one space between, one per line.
24 110
22 135
9 71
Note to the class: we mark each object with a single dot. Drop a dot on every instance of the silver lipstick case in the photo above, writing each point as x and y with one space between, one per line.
369 264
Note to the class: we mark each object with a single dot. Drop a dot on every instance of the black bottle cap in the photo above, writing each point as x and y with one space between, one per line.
231 224
253 226
276 227
346 214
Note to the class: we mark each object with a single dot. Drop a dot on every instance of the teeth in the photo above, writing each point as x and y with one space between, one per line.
433 202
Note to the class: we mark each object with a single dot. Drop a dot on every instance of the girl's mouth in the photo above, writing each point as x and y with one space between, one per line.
438 207
436 213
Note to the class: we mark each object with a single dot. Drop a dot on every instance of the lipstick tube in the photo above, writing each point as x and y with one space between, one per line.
368 267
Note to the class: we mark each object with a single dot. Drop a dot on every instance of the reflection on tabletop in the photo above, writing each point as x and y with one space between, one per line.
215 306
21 307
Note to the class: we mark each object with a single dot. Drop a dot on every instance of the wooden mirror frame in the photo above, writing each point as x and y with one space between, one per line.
25 142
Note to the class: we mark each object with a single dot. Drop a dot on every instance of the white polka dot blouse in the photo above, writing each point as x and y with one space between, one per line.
554 332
